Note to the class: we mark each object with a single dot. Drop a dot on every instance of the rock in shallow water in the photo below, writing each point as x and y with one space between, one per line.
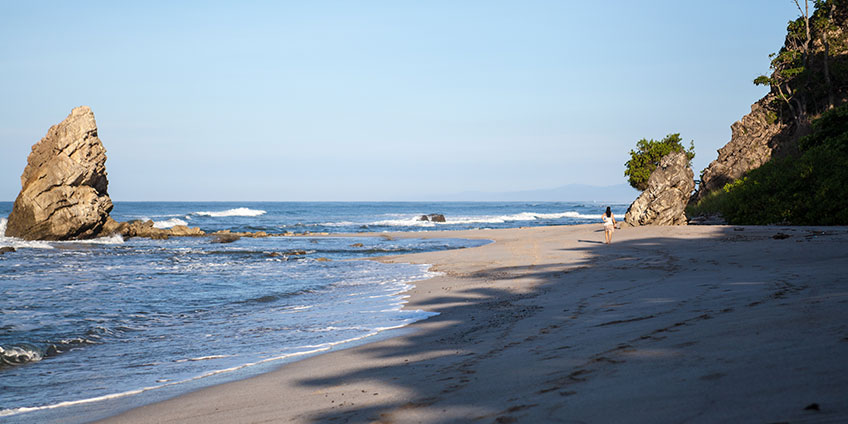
433 217
63 187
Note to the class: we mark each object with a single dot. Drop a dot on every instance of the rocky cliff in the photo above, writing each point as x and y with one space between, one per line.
63 187
754 139
809 75
668 192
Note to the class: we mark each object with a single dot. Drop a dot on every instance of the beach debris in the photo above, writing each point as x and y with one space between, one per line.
6 249
63 187
357 245
780 236
323 259
812 407
708 219
665 199
433 217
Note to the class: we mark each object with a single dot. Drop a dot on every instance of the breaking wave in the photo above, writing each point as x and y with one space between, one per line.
413 221
232 212
169 223
19 355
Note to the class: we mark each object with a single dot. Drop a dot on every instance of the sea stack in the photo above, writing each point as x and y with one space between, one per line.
63 188
664 201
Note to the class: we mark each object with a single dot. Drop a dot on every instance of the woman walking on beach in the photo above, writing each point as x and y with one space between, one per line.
609 224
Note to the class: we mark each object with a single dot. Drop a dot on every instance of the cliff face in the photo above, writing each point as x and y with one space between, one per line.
809 76
63 187
754 139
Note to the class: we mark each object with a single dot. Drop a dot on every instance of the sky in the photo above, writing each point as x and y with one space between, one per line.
377 100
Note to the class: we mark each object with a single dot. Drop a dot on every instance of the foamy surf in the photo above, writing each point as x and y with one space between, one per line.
19 243
169 223
415 221
232 212
302 351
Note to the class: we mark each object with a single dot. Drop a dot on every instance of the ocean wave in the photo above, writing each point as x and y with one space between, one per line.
203 358
113 239
414 221
232 212
334 224
169 223
19 355
301 351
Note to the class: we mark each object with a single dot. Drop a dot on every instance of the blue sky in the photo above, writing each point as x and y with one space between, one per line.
377 100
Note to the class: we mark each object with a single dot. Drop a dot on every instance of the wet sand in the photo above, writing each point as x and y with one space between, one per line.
548 324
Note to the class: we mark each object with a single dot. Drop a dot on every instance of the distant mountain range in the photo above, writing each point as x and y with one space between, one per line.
620 193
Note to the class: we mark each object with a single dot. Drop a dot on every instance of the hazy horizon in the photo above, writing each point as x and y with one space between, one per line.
378 100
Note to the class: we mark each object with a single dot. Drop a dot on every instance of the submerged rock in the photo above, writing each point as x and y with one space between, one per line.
225 238
63 187
668 192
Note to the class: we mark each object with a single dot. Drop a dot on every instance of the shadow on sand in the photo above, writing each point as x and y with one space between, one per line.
501 354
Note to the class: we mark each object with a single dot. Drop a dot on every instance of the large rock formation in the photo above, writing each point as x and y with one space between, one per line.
63 193
754 139
668 192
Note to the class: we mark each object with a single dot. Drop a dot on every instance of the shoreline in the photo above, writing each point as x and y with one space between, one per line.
547 323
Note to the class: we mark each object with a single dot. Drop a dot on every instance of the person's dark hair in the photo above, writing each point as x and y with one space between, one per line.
609 212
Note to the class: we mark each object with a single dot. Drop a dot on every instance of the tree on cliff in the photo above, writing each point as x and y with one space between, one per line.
646 158
803 71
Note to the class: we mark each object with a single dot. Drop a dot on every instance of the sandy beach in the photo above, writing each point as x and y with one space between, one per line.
696 324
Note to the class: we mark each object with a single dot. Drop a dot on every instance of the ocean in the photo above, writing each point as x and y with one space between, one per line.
90 328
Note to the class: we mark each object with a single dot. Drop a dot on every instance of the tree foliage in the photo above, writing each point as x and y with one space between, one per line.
645 159
811 66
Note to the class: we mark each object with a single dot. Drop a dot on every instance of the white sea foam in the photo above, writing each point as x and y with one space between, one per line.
19 355
336 224
232 212
19 243
414 221
169 223
203 358
113 239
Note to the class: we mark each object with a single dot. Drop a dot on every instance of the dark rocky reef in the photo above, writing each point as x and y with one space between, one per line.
433 217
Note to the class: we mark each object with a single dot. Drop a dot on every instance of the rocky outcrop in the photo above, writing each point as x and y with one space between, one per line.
668 192
754 139
433 217
146 229
63 188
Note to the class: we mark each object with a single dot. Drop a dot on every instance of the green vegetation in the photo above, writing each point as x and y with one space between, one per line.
808 72
810 189
646 158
